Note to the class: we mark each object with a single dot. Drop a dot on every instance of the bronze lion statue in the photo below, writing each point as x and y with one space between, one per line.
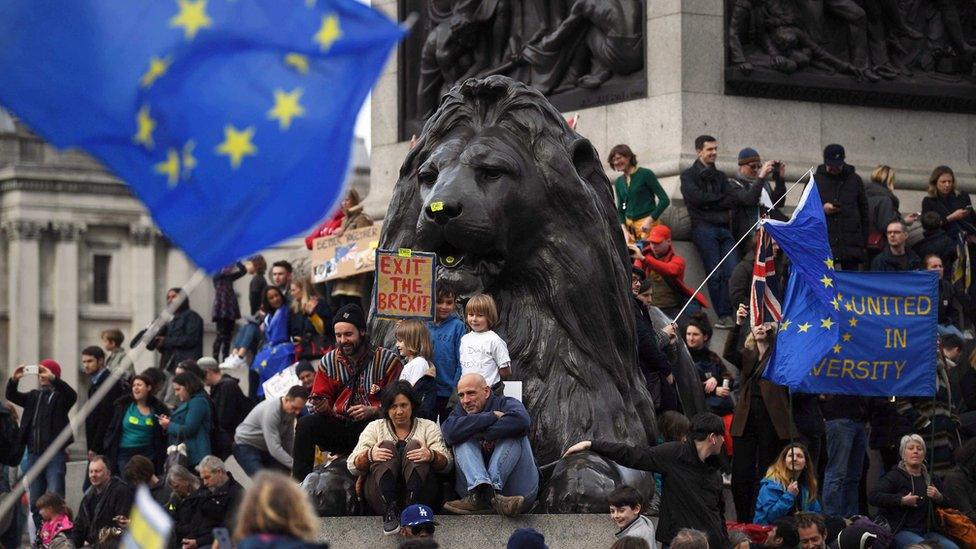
524 211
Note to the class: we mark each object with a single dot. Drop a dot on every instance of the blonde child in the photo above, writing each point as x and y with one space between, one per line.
56 528
413 343
482 351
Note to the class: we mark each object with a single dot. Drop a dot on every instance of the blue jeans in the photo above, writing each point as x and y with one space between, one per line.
713 242
125 454
846 448
906 538
253 460
511 468
50 480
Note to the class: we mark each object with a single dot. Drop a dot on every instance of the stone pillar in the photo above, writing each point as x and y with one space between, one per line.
66 349
23 291
143 284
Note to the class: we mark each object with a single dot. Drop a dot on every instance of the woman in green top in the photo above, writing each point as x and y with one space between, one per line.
640 198
135 428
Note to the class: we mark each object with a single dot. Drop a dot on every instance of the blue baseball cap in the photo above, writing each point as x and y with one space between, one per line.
417 514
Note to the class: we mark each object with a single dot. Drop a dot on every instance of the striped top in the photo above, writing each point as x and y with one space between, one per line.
335 369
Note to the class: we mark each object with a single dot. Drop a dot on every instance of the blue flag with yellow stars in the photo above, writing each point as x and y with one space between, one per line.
231 120
869 334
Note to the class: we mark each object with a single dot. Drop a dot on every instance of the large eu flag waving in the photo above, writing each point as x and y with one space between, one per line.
231 120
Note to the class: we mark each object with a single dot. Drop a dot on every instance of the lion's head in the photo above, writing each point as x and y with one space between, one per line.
517 205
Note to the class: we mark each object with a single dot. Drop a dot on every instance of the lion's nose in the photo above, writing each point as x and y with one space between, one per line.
440 211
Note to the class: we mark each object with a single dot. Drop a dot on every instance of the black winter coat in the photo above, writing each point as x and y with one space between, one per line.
183 338
882 207
231 406
96 511
96 424
960 489
887 496
847 229
707 194
650 357
45 413
945 205
186 517
692 492
215 509
113 432
939 243
888 262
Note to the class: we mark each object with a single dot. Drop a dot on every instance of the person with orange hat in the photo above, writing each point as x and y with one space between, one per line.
666 271
45 416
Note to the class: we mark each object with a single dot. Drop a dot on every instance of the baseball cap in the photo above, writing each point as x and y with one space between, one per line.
659 233
417 514
834 155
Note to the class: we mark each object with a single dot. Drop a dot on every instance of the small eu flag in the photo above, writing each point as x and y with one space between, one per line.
231 120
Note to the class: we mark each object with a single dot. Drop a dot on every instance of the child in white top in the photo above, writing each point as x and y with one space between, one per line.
413 343
482 351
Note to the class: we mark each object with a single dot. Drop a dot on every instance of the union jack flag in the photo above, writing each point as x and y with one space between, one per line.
763 305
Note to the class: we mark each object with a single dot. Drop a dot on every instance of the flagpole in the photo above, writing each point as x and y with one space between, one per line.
57 445
736 245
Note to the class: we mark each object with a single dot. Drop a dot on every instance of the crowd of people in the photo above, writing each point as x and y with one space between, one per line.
426 426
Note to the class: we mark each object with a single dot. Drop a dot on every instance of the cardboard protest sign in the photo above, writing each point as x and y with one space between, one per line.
278 385
404 284
348 254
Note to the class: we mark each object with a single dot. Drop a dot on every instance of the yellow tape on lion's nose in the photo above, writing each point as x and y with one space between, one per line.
436 206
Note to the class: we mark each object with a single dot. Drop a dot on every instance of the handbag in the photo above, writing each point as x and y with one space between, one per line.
956 525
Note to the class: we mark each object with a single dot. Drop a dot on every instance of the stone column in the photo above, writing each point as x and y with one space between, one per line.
66 349
23 291
143 283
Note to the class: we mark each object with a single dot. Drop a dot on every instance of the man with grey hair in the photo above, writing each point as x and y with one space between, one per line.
689 538
216 503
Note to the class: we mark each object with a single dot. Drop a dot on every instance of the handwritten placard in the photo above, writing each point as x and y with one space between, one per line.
345 255
404 284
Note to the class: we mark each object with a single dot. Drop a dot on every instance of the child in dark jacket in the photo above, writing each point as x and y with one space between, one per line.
446 332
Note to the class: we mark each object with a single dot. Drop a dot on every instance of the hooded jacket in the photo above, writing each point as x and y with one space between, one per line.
231 406
847 230
893 486
182 337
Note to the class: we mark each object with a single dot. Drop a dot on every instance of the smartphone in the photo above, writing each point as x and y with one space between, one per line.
222 537
31 369
725 383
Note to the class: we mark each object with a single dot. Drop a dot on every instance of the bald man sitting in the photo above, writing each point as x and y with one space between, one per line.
494 462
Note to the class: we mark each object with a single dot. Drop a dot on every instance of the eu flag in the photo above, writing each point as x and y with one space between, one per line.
231 120
809 327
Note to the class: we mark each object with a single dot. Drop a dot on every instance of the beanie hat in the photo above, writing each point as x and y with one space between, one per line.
53 366
351 313
748 155
527 538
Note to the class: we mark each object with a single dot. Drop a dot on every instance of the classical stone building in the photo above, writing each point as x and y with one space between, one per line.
80 254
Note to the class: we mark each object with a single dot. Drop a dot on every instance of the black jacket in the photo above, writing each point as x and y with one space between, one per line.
960 489
255 291
939 243
886 261
945 205
231 406
887 496
692 491
113 432
707 194
882 206
186 516
183 338
847 229
845 407
96 424
215 509
45 413
650 357
97 510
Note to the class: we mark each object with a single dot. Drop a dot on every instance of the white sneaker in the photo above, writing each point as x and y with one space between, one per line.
232 362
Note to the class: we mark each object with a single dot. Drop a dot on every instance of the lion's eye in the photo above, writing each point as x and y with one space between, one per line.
427 177
492 174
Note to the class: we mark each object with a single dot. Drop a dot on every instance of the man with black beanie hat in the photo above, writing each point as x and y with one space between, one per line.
341 396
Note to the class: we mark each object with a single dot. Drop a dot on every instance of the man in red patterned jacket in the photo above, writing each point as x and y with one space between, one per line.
341 397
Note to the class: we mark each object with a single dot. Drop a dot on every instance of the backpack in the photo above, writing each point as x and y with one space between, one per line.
879 527
11 447
956 525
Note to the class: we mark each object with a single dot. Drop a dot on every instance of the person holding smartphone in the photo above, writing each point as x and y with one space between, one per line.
45 416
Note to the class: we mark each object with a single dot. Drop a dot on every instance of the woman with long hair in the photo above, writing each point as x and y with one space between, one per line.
953 206
275 512
790 486
883 207
135 428
414 345
278 351
192 419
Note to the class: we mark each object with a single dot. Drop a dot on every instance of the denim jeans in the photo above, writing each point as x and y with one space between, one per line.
253 459
50 480
511 468
906 538
713 242
125 454
846 448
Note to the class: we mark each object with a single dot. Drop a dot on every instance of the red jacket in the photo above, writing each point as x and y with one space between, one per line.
670 266
327 228
382 366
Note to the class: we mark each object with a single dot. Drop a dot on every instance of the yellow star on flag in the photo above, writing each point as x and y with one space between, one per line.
146 125
829 263
189 161
803 327
286 107
836 304
329 32
191 18
846 336
837 348
237 144
827 281
826 323
157 67
784 325
840 297
298 62
853 322
848 306
170 167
